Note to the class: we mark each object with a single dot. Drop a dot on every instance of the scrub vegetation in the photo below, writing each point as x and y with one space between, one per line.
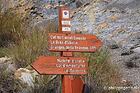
19 43
25 46
102 73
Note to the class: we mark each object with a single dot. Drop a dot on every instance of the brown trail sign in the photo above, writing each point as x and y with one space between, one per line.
67 65
61 65
71 36
73 42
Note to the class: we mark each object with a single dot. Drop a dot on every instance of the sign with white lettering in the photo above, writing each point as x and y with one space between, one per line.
73 42
66 28
61 65
64 20
66 23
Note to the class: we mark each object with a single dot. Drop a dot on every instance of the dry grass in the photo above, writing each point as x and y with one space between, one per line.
19 44
101 72
30 47
100 66
11 28
24 47
8 84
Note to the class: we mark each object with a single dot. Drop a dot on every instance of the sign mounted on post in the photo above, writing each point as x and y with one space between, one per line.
73 42
66 23
64 20
65 14
61 65
66 28
66 43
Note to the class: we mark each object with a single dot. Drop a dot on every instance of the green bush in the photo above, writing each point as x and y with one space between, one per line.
101 72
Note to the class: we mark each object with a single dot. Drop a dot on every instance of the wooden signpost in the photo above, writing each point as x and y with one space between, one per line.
61 65
73 42
67 65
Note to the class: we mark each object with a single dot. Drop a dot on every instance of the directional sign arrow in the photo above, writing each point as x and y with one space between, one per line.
73 42
60 65
70 36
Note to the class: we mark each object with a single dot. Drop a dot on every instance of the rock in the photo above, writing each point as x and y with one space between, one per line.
137 50
111 44
114 18
130 65
107 1
114 46
128 46
116 21
124 1
4 60
7 83
102 25
133 61
78 4
8 64
125 82
31 81
126 52
26 76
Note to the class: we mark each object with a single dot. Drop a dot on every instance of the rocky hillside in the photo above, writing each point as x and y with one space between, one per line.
117 23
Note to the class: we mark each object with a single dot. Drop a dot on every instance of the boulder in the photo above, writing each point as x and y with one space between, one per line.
126 52
137 50
133 61
8 64
111 44
114 46
26 76
32 82
79 4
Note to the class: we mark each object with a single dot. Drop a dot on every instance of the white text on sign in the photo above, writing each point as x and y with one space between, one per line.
66 29
66 23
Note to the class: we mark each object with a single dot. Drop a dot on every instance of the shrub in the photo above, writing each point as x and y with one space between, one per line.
11 28
16 41
30 47
8 84
101 72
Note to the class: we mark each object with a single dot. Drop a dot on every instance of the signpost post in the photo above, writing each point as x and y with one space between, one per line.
67 65
65 27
